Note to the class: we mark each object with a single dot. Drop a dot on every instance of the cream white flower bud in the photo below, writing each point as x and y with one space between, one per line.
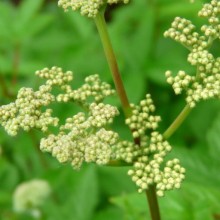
89 8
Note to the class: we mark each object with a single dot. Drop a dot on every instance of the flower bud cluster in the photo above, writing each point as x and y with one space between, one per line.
83 138
26 113
29 196
182 31
93 87
204 86
101 114
55 76
211 11
180 81
147 168
206 83
142 118
129 151
89 8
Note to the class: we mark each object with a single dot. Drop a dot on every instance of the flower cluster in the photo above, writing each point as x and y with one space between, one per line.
55 76
129 151
88 8
29 196
147 167
26 111
93 86
142 118
148 156
206 83
83 138
211 11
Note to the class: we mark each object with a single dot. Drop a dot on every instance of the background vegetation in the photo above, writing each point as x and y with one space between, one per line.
37 34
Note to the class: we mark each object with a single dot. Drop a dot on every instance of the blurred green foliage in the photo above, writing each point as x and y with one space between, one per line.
37 34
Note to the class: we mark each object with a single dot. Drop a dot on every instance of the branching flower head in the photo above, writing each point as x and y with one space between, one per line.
84 137
205 83
88 8
148 157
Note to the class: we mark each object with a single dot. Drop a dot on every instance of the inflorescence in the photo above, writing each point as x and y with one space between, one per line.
206 83
83 137
89 8
148 156
30 196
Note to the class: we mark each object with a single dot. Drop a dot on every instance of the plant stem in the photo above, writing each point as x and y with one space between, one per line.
15 64
110 56
112 62
177 122
153 203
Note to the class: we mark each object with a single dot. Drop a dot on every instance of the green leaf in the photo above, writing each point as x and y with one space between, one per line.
184 8
26 12
114 180
134 205
200 125
109 214
6 12
213 138
8 176
189 203
77 192
38 24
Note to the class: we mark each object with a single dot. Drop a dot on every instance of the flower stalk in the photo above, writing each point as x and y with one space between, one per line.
177 122
112 62
110 56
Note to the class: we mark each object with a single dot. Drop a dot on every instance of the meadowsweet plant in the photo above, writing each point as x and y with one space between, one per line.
88 137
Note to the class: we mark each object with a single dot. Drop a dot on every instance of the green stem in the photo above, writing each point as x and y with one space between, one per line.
177 122
112 62
15 65
110 56
153 203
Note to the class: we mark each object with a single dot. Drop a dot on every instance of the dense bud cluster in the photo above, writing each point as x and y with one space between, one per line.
206 83
147 169
142 118
148 156
26 111
30 196
88 8
129 151
81 138
182 30
93 87
55 76
211 11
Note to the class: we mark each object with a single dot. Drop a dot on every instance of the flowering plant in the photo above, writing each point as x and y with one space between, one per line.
87 136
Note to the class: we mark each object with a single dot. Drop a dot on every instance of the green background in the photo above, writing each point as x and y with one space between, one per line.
35 34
